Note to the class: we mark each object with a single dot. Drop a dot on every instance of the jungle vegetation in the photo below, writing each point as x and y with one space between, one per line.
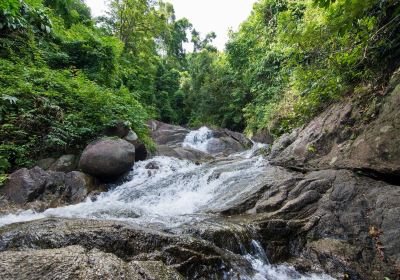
65 75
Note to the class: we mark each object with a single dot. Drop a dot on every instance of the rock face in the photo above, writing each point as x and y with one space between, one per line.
358 134
46 163
166 134
191 257
39 189
75 262
107 158
340 221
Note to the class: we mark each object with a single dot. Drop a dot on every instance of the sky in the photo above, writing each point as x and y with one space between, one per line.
205 15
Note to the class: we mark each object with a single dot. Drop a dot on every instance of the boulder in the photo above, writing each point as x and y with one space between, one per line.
239 137
224 145
25 185
166 134
78 186
39 189
124 131
182 153
65 163
107 158
141 152
75 262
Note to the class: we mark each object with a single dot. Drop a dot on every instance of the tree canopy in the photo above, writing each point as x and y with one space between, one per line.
66 75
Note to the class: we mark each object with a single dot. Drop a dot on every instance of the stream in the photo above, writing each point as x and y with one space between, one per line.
168 194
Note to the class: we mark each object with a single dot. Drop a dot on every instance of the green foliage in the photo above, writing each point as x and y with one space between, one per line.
58 111
65 76
289 60
64 80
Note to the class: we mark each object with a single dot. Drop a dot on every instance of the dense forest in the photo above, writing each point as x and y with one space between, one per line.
65 76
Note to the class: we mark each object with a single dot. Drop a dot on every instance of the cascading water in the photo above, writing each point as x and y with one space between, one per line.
198 139
167 193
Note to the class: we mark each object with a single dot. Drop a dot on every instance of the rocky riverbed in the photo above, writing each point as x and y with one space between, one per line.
320 203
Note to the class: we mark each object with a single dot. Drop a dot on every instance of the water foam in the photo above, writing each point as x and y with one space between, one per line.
198 139
171 192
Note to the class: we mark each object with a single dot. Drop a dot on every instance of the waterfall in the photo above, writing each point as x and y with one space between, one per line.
198 139
168 193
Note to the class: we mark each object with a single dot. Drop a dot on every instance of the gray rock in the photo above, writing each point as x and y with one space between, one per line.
332 218
78 186
75 262
65 163
166 134
37 189
107 158
182 153
25 185
132 136
356 134
46 163
224 146
192 257
239 137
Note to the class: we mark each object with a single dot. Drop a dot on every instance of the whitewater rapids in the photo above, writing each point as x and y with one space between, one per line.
166 192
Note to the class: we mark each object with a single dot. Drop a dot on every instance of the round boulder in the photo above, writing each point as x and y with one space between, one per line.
107 158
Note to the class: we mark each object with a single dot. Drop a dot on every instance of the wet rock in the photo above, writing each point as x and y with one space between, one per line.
224 145
141 152
152 165
182 153
38 189
78 186
239 137
25 185
107 158
360 133
65 163
166 134
193 258
327 217
75 262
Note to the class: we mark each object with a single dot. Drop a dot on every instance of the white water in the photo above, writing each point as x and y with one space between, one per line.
198 139
167 192
266 271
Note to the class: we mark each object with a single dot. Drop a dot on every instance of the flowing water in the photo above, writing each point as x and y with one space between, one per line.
167 193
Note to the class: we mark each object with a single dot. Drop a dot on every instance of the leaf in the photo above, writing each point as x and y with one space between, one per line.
10 99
